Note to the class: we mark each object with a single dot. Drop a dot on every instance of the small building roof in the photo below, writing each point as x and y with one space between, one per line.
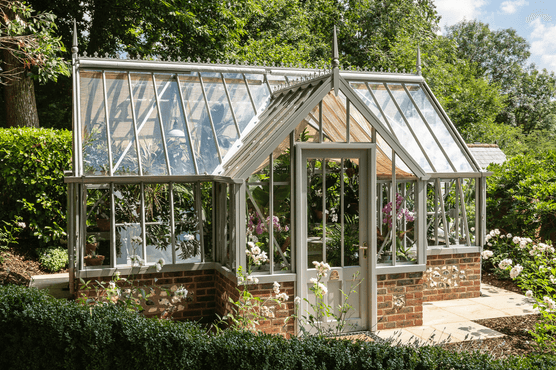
486 154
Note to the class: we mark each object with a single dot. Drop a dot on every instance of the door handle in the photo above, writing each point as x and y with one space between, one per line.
364 247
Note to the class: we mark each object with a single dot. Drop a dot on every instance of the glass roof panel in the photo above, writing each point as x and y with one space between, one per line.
220 111
363 91
393 115
439 128
204 146
241 103
259 90
152 155
175 131
419 128
93 121
359 127
122 135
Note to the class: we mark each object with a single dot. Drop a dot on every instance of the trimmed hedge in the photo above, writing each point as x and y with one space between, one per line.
32 164
39 332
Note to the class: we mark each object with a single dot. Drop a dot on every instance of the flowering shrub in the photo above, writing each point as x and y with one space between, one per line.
249 310
533 266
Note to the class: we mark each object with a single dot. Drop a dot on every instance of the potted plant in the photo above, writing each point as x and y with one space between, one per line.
93 259
91 245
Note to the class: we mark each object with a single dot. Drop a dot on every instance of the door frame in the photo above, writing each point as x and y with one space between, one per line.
301 227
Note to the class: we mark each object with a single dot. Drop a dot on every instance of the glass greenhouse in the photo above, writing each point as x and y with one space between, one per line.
191 161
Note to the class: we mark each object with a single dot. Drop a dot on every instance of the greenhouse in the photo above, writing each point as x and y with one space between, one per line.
194 162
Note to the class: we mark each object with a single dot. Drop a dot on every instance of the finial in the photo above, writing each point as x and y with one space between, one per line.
335 56
418 61
74 48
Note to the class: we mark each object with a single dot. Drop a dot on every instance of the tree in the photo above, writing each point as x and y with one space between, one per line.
29 51
499 55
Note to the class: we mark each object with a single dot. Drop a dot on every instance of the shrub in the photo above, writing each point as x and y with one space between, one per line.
32 164
53 259
39 332
520 196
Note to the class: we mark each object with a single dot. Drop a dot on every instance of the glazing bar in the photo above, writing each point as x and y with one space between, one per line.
271 214
108 136
210 119
172 223
135 132
250 95
443 211
161 125
230 102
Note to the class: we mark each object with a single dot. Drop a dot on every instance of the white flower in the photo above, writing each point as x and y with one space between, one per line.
515 271
136 239
509 235
472 229
276 287
117 274
282 296
161 262
487 254
181 293
255 250
256 280
158 267
297 300
313 280
505 263
529 294
489 244
488 237
496 232
111 285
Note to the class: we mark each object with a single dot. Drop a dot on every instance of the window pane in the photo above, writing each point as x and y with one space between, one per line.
175 131
93 119
122 135
201 131
243 109
152 155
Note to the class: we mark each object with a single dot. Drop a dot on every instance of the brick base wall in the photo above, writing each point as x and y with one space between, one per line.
209 293
400 300
225 289
452 276
199 306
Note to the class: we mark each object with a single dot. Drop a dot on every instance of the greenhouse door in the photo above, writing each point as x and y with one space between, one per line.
334 185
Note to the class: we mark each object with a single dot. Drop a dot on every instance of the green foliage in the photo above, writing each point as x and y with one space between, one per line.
520 196
32 164
35 327
53 259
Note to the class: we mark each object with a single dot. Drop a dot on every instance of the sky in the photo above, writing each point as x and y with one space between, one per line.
533 20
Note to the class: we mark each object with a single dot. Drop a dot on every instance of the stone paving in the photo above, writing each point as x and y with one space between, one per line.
452 318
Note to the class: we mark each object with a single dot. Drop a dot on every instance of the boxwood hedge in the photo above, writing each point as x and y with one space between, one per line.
39 332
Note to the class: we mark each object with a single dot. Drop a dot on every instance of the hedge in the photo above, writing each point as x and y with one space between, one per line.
32 164
39 332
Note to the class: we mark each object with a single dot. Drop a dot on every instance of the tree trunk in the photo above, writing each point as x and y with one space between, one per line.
19 96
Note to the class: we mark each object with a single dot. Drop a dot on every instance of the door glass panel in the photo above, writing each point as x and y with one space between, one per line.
334 208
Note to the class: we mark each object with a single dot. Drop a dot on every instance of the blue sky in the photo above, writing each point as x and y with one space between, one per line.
533 20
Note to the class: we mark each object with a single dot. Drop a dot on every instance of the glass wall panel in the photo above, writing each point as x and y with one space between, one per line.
152 155
221 113
204 145
398 125
439 128
122 134
175 130
241 103
451 209
420 129
188 238
129 239
97 246
93 121
158 230
406 246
